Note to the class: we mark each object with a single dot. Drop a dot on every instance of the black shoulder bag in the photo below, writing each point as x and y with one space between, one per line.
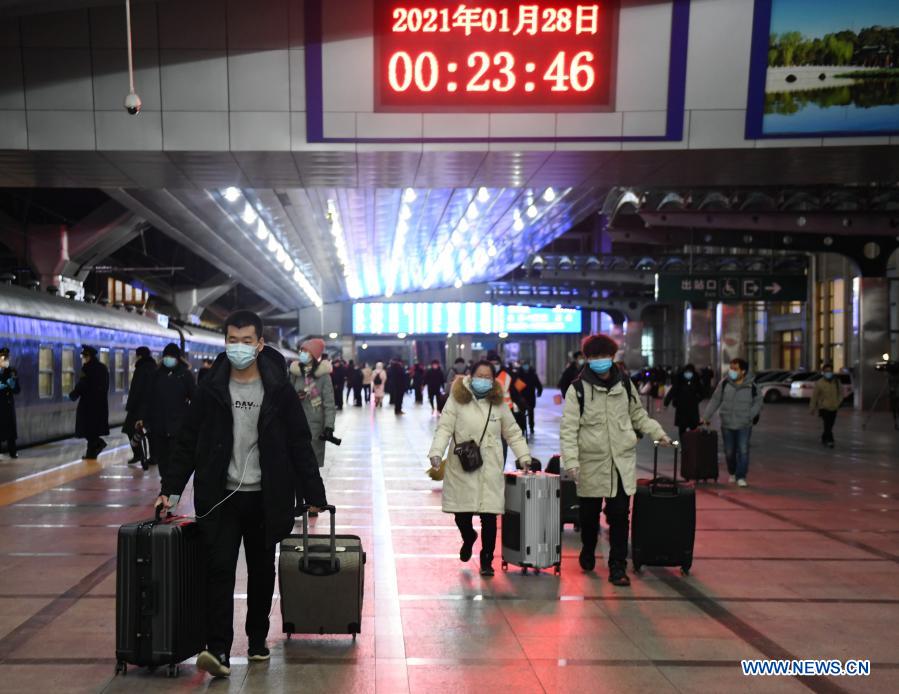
469 452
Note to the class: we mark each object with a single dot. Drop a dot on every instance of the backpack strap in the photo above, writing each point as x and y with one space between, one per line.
578 386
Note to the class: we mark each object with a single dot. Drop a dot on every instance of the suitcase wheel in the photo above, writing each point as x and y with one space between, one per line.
557 570
524 571
638 567
505 566
121 666
685 570
172 671
354 637
289 635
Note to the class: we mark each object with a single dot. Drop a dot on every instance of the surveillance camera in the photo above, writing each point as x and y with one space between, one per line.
133 104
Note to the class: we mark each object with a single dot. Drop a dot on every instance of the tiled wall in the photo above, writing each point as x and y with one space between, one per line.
218 76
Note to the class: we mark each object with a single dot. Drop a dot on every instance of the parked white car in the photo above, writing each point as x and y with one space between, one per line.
776 391
802 389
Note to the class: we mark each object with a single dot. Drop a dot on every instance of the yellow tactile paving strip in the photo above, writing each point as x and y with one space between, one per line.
12 492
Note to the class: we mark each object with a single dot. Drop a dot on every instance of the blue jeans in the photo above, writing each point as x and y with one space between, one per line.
736 450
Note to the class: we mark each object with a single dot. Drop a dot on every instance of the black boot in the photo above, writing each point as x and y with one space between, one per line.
587 559
467 546
486 564
618 573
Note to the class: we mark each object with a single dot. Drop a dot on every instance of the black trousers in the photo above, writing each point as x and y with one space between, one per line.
432 396
521 420
397 400
11 447
617 510
161 446
94 446
240 518
465 523
419 395
530 413
357 396
828 417
338 396
366 390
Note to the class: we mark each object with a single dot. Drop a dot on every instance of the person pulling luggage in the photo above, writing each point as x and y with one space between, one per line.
144 368
825 401
311 379
740 403
685 394
247 444
600 418
474 422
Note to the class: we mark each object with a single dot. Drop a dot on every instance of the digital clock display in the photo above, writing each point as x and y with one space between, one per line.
442 55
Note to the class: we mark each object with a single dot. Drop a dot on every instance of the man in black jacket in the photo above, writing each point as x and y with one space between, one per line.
397 385
247 443
137 392
571 372
9 388
170 390
91 392
532 390
434 380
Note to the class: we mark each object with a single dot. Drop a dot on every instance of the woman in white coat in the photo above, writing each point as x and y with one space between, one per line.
378 382
475 411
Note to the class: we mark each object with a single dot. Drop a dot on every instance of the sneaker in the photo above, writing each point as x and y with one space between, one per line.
587 560
486 565
467 547
215 665
732 478
258 653
618 575
742 483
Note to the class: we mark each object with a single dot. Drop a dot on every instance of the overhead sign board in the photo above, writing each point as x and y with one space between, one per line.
456 317
732 288
495 54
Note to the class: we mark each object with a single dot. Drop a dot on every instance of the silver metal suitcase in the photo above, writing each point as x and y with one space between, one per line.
532 534
321 580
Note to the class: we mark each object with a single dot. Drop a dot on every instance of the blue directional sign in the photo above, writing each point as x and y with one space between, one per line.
377 318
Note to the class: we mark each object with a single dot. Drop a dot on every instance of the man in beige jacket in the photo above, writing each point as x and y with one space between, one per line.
601 416
825 401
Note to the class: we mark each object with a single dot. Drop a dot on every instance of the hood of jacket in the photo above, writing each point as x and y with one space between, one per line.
463 394
323 368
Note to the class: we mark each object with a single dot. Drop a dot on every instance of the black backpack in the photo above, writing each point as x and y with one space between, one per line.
378 380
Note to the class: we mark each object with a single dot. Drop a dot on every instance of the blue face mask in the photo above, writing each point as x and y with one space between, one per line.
525 367
241 356
305 357
169 362
688 375
828 375
481 386
600 366
733 375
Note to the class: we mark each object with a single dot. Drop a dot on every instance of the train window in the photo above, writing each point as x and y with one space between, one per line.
68 370
119 361
46 372
104 357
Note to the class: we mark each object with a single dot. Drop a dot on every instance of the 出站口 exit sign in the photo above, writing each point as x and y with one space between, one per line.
728 288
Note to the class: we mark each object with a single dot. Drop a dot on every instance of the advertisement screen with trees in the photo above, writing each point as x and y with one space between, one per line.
824 68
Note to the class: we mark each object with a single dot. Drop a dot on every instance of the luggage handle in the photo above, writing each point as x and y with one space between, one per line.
304 562
655 459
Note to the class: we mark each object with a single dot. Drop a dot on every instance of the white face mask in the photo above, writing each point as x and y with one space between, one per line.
4 363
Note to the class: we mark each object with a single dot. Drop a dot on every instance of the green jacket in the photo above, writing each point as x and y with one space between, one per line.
827 395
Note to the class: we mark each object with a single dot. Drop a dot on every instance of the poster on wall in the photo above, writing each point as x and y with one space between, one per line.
824 68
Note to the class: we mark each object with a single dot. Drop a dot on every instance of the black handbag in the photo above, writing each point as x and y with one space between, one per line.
469 452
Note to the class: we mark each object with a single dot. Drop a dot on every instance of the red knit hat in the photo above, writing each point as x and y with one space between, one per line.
315 347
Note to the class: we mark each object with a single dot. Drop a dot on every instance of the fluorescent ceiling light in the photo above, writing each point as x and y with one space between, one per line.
249 214
231 194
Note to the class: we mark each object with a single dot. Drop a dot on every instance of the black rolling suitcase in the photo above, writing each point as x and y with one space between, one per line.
321 579
699 455
160 593
568 503
663 526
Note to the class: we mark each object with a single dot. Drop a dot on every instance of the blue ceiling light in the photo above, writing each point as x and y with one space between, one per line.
258 230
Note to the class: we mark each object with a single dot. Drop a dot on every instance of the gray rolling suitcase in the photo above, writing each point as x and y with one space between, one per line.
532 534
321 580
